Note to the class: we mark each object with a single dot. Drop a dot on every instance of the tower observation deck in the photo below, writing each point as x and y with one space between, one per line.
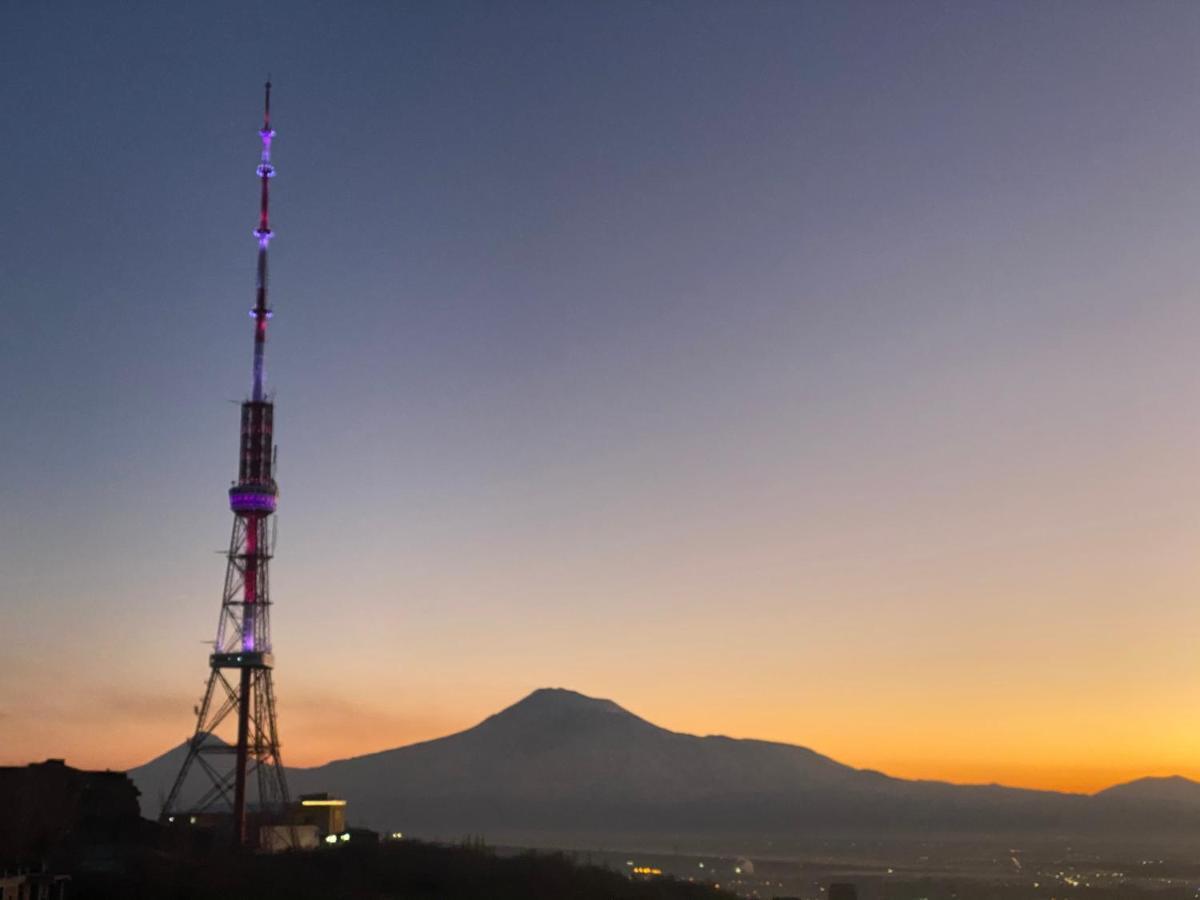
239 683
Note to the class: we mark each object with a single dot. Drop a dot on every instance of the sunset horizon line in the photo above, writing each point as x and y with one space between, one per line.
903 770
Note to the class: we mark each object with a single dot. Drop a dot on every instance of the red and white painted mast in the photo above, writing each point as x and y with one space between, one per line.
249 497
243 635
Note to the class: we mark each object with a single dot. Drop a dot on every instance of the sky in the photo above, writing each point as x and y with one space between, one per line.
814 372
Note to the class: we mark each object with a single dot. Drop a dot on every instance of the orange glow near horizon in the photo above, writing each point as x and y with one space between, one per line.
1068 670
1078 757
1057 774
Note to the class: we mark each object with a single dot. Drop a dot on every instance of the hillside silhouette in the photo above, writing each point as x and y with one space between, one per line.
560 765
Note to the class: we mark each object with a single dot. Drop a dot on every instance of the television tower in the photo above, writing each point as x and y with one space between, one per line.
241 662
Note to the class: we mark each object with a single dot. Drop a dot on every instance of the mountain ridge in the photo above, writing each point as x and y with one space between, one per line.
558 762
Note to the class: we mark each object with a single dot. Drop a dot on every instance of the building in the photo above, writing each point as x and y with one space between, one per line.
327 813
26 885
310 822
278 838
48 803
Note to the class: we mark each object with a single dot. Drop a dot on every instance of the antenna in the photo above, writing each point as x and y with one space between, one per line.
261 312
243 642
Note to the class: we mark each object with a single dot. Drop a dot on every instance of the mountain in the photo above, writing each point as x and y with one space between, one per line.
1173 792
562 765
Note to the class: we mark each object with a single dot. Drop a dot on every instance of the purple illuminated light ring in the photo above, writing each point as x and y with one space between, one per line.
252 501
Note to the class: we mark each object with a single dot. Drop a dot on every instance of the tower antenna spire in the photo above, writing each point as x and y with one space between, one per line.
261 311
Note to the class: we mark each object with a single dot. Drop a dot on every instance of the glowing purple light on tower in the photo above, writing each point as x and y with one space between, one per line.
243 634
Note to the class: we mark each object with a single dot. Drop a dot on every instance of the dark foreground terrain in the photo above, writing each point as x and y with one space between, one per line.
947 868
396 870
81 831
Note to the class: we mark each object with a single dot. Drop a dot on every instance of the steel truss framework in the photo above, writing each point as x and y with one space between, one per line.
222 697
241 661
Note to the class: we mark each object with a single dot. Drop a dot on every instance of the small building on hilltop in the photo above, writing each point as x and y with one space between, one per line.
326 812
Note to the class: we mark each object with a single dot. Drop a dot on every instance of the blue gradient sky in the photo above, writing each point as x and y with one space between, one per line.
816 372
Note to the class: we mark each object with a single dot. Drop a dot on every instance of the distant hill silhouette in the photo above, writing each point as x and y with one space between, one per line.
1172 789
559 764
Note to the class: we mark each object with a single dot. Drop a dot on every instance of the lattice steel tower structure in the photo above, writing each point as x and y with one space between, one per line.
241 662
